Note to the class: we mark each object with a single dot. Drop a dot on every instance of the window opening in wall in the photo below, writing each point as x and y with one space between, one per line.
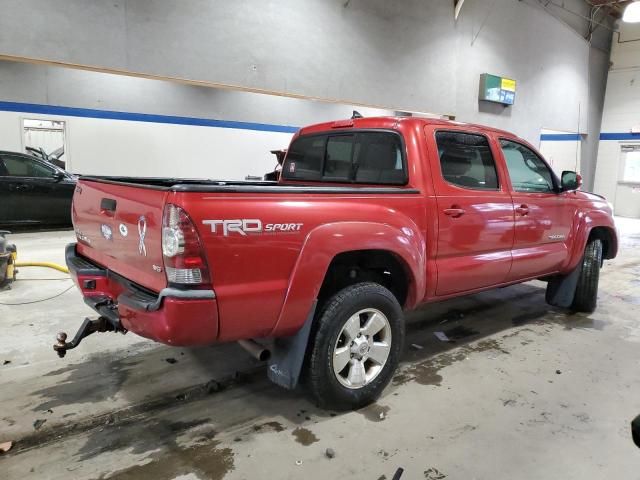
631 164
46 140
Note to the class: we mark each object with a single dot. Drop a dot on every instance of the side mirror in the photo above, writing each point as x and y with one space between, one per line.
570 181
58 176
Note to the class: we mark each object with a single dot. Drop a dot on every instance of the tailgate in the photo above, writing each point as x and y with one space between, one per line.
119 227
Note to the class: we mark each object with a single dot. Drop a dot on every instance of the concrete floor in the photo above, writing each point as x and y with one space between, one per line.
526 391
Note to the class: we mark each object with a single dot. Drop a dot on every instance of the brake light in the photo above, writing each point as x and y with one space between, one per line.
184 260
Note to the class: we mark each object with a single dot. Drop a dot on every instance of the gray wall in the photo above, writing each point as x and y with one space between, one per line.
63 86
406 55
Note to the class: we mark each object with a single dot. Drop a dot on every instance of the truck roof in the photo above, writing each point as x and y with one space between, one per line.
393 122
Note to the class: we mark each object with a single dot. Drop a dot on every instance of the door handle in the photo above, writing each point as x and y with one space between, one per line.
454 211
23 187
522 210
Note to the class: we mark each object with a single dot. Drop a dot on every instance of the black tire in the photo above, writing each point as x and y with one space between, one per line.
586 296
320 377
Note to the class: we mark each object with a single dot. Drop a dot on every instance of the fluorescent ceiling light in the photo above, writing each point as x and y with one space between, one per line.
632 13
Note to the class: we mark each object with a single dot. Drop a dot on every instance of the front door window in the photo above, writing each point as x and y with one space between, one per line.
527 171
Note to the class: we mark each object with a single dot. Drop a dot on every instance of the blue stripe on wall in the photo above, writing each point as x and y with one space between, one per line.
141 117
560 137
574 137
620 136
209 122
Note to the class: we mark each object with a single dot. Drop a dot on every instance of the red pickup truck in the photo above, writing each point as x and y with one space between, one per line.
371 217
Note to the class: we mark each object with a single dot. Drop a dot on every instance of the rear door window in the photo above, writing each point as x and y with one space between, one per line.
360 157
26 167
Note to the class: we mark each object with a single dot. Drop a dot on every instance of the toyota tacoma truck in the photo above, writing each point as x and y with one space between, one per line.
371 217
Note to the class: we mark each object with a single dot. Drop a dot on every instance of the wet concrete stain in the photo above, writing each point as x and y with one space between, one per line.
529 317
457 314
268 426
486 345
580 322
375 412
204 460
98 378
131 415
148 436
304 436
482 317
452 315
427 371
460 332
38 423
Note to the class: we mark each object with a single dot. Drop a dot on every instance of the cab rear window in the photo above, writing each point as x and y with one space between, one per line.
354 157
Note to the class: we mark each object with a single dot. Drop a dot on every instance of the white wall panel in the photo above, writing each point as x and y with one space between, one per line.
10 132
561 154
112 147
117 147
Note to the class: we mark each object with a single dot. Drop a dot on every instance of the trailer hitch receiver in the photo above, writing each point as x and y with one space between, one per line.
88 327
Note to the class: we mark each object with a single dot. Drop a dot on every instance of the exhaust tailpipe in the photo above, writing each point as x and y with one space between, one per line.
258 351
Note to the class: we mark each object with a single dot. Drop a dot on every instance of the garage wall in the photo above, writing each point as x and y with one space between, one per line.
404 55
119 125
621 111
113 147
10 132
561 149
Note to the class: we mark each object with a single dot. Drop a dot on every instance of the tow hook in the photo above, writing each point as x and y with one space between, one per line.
88 327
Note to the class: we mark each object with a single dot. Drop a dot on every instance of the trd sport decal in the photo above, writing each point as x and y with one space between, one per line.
244 226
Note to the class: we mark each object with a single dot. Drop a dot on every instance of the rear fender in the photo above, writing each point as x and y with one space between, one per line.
325 242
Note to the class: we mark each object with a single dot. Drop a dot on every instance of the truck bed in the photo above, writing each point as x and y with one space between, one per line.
200 185
288 214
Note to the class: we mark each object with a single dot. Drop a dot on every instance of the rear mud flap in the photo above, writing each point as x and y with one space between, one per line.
562 288
288 354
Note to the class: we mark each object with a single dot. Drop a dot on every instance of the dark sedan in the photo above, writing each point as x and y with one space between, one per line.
34 191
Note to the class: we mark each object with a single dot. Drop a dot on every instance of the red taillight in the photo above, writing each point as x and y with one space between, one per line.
182 251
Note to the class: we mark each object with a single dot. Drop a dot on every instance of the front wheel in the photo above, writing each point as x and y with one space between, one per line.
355 347
586 296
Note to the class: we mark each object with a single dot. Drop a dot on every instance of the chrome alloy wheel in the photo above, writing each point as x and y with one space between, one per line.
362 348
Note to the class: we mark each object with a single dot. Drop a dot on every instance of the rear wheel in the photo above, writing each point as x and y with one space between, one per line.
355 347
586 296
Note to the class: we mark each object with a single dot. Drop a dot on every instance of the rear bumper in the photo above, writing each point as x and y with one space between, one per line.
173 316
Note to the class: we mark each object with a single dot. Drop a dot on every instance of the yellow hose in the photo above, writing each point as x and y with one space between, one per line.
55 266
